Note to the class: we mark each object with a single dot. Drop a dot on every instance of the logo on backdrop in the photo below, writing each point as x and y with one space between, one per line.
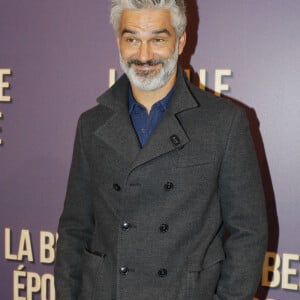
26 283
4 86
281 271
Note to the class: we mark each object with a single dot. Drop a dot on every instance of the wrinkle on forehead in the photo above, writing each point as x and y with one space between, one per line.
154 32
146 21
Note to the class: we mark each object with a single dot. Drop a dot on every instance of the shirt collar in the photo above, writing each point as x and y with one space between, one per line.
162 104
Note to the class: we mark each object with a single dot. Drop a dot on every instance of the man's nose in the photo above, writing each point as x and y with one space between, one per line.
145 52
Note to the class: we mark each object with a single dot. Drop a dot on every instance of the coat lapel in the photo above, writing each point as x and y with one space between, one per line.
117 131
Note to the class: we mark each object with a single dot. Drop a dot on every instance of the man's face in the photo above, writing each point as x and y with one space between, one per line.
148 47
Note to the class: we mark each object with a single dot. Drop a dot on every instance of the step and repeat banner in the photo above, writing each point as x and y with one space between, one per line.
57 56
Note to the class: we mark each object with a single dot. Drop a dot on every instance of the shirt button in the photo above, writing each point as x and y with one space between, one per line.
162 273
124 270
164 228
116 187
125 226
169 186
175 140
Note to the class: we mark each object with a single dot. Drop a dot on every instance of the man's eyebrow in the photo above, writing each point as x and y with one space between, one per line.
160 31
128 31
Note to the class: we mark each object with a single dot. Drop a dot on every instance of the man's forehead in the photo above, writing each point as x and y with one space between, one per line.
149 20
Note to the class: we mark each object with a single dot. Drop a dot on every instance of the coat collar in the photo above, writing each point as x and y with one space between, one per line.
119 133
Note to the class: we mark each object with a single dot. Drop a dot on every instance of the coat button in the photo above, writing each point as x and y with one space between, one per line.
169 186
124 270
125 226
175 140
162 272
116 187
164 228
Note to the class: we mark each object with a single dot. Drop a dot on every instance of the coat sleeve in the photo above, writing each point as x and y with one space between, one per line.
244 215
75 225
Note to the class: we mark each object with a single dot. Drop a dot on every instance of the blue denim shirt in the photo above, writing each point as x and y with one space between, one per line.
143 123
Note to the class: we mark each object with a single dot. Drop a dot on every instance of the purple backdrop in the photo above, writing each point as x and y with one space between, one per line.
60 54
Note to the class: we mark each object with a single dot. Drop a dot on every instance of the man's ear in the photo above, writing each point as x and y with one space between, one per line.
181 43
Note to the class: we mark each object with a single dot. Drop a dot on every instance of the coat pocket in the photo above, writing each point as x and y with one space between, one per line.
202 278
189 160
92 272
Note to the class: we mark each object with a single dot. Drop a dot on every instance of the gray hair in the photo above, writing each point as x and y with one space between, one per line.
176 7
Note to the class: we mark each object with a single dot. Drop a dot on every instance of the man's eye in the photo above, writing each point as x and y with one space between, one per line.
131 40
159 40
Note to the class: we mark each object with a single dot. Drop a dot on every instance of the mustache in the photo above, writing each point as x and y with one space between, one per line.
151 62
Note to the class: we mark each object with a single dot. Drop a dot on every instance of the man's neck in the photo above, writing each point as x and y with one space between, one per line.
149 98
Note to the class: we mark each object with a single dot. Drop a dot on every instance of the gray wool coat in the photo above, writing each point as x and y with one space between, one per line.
148 224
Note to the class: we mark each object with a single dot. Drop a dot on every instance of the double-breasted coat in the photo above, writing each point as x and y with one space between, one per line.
149 223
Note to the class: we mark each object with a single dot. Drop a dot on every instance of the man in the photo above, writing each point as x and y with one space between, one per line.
160 170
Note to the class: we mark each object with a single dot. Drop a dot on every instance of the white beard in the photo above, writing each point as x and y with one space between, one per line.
144 80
